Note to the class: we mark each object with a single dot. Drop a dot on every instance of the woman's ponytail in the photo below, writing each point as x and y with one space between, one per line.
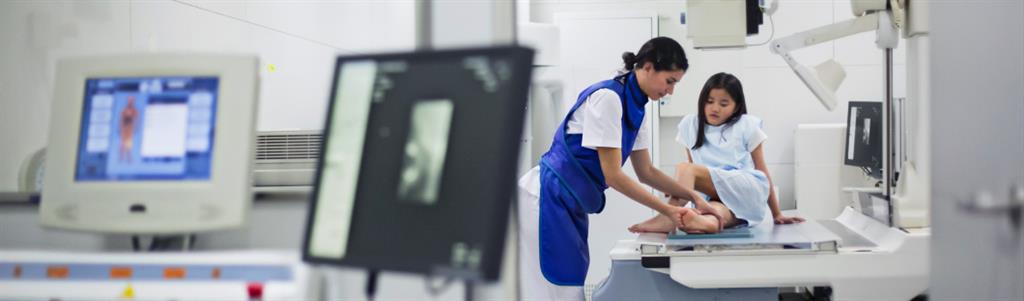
629 59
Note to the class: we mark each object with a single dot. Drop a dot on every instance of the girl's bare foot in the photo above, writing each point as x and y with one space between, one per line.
694 222
657 224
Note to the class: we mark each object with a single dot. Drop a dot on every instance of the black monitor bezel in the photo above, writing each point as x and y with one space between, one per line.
874 169
490 266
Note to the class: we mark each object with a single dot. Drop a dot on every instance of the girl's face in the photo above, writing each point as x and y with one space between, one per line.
658 84
719 107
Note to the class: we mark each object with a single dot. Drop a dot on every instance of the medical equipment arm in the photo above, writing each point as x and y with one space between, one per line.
829 73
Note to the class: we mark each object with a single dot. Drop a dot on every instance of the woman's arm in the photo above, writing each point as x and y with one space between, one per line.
773 203
651 175
611 166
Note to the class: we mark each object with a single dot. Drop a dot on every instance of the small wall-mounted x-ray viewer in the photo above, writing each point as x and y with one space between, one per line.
419 161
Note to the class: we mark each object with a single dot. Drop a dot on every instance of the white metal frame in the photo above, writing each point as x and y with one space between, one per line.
896 268
305 283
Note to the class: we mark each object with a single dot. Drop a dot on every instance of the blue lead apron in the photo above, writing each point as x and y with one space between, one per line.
572 185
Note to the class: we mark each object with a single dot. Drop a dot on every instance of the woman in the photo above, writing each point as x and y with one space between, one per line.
605 127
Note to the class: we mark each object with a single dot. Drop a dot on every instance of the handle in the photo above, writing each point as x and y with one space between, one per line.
984 203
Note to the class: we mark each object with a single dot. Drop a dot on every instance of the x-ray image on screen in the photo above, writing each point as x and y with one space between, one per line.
425 150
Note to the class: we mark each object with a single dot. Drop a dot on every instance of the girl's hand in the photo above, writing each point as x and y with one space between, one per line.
782 219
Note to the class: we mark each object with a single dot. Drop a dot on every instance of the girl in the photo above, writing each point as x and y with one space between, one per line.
605 127
725 146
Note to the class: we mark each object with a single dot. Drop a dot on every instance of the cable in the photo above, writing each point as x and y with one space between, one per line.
770 37
371 284
265 27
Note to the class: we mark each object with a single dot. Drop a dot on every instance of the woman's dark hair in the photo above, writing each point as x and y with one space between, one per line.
663 52
731 85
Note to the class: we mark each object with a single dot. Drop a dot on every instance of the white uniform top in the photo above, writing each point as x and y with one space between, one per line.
599 119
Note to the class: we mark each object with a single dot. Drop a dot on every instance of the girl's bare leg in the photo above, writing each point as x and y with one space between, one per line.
691 176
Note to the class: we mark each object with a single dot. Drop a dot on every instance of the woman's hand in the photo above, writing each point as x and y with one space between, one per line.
675 213
782 219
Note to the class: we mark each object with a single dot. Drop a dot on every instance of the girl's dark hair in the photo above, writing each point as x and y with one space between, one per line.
663 52
731 85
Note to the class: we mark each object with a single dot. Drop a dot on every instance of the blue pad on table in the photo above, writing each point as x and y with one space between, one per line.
742 232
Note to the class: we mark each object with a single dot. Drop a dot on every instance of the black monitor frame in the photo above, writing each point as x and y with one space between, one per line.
867 146
479 173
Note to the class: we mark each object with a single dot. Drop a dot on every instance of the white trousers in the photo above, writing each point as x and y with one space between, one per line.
532 284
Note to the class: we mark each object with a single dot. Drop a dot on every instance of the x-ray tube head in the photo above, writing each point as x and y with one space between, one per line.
823 82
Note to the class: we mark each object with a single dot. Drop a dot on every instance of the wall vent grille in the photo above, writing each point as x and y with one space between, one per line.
294 145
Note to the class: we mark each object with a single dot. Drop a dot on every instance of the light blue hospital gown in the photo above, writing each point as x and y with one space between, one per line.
726 154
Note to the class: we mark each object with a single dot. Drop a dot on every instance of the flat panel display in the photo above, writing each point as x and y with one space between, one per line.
864 137
147 128
419 161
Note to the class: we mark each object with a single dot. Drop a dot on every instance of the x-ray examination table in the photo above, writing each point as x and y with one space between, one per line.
858 257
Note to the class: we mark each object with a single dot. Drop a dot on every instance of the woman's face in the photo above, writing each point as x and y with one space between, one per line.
719 106
658 84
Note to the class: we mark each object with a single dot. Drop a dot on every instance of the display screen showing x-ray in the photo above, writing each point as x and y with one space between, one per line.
864 137
147 128
425 149
419 161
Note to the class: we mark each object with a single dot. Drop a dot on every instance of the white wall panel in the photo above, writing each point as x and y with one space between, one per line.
169 26
781 100
299 38
35 34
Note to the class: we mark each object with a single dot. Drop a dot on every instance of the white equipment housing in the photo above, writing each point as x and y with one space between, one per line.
178 205
716 24
859 257
226 275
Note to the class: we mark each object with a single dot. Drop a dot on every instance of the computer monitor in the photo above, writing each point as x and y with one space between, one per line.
150 143
419 161
864 137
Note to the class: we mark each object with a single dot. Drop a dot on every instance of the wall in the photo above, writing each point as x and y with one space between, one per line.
772 91
296 43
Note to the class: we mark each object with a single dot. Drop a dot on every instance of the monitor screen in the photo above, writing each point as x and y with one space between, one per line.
864 137
147 128
419 161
